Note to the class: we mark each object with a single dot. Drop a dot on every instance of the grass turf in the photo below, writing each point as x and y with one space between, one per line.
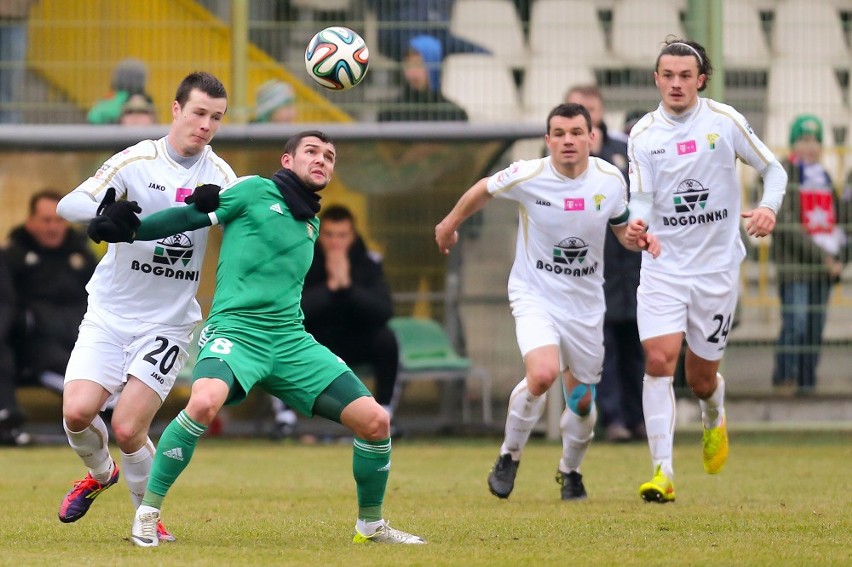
783 499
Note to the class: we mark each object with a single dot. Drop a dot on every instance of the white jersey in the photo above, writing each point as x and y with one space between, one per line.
154 282
690 168
563 224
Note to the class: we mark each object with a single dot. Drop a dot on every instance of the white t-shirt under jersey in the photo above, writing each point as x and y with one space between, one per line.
690 168
149 281
563 224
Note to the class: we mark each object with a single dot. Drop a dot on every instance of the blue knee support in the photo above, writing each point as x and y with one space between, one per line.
577 394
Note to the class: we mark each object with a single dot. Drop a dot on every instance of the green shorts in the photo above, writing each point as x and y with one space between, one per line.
287 362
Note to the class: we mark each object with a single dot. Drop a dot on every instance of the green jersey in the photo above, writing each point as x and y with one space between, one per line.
264 257
255 323
265 251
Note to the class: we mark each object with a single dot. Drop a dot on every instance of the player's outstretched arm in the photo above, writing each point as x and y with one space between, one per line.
473 200
158 225
172 221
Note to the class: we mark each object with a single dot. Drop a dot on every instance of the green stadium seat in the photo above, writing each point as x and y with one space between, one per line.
425 353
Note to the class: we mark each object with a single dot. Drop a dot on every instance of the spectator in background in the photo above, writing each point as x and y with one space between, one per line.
11 416
13 52
128 78
620 389
421 98
400 22
275 102
138 111
809 249
50 264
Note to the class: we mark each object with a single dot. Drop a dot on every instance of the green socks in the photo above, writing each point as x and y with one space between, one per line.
371 467
173 454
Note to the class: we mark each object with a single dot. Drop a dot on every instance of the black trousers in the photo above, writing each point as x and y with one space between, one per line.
374 347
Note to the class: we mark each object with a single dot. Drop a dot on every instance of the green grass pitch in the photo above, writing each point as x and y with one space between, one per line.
783 499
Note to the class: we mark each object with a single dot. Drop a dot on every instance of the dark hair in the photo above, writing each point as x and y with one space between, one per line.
203 81
570 110
49 194
686 48
292 144
337 213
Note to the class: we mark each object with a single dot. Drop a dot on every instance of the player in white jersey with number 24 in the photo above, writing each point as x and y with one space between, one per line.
685 190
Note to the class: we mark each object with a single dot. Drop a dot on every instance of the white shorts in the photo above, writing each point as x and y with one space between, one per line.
700 306
580 339
109 348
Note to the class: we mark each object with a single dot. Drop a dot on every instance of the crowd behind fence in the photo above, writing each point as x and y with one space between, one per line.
502 62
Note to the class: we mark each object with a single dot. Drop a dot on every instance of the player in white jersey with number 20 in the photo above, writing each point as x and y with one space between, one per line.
567 201
685 189
142 307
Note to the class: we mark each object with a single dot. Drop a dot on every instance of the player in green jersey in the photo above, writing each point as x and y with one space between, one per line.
255 337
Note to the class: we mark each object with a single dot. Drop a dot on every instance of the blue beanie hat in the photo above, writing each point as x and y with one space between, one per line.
429 48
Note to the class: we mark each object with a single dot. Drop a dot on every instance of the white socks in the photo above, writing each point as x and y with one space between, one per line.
136 467
577 434
524 412
91 445
658 403
368 528
713 408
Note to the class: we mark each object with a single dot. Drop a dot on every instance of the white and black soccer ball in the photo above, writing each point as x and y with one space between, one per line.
337 58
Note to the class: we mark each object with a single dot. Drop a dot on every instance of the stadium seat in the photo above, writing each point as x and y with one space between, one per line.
482 86
425 353
797 88
805 30
568 29
743 42
545 84
639 28
493 24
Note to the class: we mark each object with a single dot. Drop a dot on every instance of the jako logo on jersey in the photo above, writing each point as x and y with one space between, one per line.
570 251
277 208
658 151
156 186
689 147
542 202
173 250
578 204
711 139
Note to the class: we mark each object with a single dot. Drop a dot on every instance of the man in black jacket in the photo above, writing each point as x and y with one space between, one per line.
50 264
11 416
347 305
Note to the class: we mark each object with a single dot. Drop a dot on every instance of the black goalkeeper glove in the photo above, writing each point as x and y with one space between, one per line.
116 221
205 198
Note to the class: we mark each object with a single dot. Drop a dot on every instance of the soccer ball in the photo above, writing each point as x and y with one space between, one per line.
337 58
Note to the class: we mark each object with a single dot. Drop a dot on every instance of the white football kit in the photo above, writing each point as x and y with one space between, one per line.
142 307
556 281
688 164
